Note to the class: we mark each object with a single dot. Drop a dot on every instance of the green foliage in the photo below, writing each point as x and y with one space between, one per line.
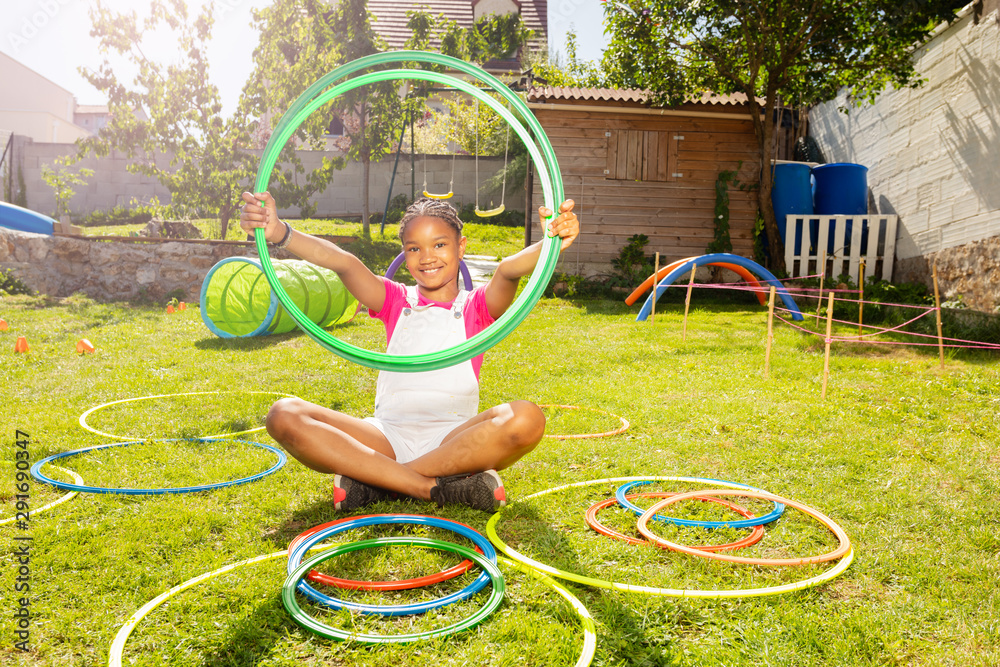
61 180
11 284
632 266
187 144
722 241
20 197
575 73
802 53
759 236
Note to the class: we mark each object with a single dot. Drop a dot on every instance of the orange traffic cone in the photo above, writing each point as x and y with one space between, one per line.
3 325
84 346
182 306
170 309
21 345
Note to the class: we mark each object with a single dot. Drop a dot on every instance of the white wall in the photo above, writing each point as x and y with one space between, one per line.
35 107
933 153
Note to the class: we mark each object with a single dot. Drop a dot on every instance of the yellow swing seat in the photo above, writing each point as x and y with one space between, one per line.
490 212
431 195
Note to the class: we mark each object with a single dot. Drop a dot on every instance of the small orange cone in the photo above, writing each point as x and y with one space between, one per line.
3 325
182 306
21 345
170 309
84 346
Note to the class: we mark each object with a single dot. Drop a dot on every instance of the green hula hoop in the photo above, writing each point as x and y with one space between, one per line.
59 501
323 630
544 159
88 427
491 532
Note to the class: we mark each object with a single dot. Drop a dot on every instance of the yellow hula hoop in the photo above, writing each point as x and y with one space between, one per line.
621 429
491 532
117 649
88 427
76 480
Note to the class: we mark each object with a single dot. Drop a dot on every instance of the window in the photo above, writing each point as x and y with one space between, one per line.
335 128
642 155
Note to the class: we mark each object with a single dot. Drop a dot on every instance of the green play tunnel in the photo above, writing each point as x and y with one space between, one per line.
236 299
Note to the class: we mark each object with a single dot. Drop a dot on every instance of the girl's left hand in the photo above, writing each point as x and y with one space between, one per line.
565 225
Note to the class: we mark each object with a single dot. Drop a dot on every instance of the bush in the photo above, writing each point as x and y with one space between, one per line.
11 284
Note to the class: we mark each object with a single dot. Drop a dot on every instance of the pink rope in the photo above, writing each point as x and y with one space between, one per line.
977 345
878 330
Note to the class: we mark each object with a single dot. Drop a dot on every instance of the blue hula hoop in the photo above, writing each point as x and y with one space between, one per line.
37 474
295 557
778 510
390 273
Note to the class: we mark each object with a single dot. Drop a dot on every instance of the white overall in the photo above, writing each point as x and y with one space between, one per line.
415 411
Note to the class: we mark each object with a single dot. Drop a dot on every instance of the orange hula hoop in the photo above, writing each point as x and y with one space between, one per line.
753 538
841 550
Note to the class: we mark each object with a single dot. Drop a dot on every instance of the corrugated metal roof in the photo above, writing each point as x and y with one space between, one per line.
635 95
389 17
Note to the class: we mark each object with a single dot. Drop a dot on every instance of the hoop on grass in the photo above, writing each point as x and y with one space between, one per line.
621 429
37 474
691 523
545 161
57 501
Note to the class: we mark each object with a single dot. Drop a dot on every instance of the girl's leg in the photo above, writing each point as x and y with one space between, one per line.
493 439
331 442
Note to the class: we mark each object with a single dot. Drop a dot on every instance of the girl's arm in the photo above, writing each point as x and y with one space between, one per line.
357 278
503 285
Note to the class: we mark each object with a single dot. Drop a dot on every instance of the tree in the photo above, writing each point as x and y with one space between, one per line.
301 40
802 51
62 180
187 144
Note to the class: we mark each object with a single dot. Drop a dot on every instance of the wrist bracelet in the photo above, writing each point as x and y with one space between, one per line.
286 239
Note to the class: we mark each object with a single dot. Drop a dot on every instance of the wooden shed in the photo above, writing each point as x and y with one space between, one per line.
637 169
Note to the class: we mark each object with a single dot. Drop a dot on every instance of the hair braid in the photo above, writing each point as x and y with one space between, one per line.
433 208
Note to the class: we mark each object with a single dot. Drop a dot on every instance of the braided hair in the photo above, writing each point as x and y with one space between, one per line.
432 208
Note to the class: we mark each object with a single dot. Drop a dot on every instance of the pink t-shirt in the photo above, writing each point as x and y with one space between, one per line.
475 314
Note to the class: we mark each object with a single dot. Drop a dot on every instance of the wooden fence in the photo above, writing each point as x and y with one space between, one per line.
842 241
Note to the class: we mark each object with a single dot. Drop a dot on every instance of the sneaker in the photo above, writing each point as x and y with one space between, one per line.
350 494
482 491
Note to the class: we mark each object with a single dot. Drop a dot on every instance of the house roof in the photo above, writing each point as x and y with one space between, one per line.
389 17
92 108
628 95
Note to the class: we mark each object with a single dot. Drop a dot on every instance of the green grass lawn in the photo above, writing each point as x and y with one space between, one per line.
903 454
484 239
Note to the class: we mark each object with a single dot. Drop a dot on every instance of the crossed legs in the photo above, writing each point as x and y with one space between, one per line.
331 442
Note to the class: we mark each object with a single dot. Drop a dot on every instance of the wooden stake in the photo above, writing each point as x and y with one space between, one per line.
822 275
656 272
687 305
861 298
829 332
937 304
770 334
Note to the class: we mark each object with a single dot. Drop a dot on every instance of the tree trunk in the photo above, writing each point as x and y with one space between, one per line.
224 212
764 130
366 171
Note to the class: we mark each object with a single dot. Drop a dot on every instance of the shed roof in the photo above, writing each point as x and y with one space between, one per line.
632 96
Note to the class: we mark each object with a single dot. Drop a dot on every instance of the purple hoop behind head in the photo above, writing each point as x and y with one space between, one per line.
390 273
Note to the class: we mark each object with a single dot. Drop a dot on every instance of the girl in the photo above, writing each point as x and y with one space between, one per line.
427 438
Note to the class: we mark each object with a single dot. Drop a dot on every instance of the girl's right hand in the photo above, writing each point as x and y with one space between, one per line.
253 215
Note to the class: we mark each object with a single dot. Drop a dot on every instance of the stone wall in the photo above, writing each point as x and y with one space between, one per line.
932 151
113 185
113 271
969 270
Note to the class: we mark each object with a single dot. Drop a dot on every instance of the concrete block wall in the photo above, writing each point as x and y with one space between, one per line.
933 152
113 185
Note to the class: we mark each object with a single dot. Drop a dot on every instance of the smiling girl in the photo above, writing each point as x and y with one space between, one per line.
427 438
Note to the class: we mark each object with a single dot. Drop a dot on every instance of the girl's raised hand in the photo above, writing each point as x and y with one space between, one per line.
565 225
253 215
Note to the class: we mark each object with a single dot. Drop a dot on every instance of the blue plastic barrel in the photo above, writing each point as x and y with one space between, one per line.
841 189
791 194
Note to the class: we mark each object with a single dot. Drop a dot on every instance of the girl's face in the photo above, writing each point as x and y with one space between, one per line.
434 251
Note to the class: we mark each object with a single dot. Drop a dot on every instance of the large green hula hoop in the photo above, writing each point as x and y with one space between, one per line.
491 532
545 161
323 630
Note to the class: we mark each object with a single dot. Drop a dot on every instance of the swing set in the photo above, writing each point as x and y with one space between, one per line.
482 213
